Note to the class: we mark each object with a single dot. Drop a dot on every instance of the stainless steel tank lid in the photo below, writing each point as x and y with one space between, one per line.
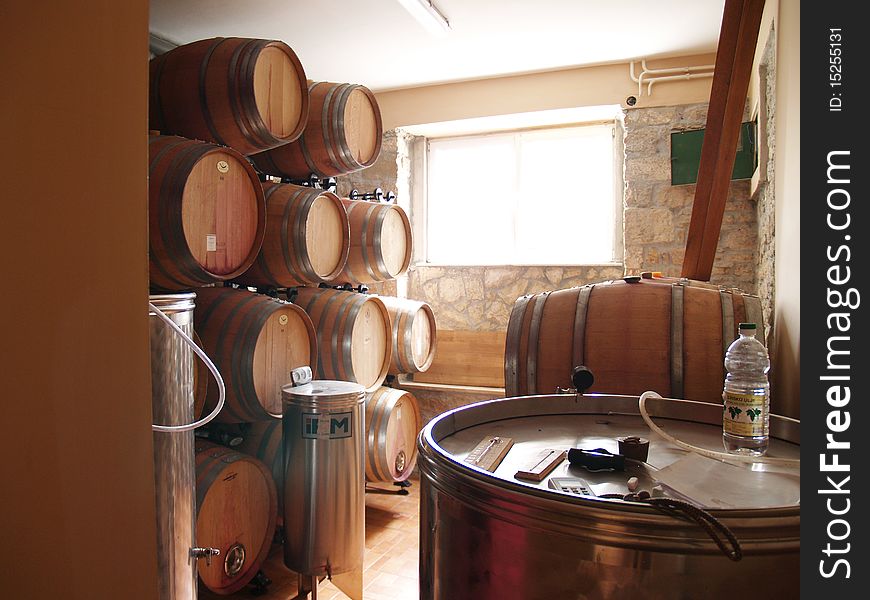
597 420
324 391
172 302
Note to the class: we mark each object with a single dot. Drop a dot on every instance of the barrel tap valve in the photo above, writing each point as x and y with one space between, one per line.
205 553
581 378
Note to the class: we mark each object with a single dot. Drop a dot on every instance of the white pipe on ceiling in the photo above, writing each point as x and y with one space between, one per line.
667 74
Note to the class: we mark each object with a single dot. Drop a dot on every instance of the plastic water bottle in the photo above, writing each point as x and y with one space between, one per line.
746 412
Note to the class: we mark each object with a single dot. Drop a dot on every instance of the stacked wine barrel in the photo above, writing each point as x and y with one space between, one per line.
343 135
237 130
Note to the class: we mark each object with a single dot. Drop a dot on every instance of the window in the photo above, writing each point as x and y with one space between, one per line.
537 197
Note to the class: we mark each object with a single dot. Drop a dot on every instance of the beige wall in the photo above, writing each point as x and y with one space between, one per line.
781 20
785 372
77 495
567 88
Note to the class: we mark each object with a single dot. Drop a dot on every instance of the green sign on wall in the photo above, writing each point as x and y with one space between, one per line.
686 154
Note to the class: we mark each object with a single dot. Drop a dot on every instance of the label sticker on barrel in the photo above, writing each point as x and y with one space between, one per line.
211 242
327 426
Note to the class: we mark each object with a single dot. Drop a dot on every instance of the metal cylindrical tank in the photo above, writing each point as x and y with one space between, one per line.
488 535
172 400
324 477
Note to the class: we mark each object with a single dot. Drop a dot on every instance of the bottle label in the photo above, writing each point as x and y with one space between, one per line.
743 414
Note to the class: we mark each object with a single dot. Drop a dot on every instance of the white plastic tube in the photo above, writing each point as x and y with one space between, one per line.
202 355
793 462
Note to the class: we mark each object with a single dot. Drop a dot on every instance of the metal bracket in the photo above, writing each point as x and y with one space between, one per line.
375 196
206 553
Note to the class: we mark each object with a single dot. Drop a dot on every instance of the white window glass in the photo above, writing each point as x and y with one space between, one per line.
535 197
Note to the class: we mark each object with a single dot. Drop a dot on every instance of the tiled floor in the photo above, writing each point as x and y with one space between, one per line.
391 554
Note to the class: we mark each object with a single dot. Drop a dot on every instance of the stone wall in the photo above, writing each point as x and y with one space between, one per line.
481 298
382 174
657 214
765 192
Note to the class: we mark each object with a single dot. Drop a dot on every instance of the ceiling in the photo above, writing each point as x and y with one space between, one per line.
377 43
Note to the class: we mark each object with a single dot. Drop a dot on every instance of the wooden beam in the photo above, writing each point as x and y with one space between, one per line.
738 37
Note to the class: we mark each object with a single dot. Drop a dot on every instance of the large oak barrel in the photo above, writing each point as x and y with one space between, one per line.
353 335
380 242
262 440
343 134
255 341
307 237
414 334
206 213
664 335
392 425
248 94
236 507
201 375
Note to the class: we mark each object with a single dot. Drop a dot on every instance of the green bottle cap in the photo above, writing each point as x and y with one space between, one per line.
746 326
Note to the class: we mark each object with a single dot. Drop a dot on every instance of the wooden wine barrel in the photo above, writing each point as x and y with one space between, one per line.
262 440
392 424
201 375
343 134
354 342
248 94
380 242
236 508
307 238
664 335
414 334
206 216
255 341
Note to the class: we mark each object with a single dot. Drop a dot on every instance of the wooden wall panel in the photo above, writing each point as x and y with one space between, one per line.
77 501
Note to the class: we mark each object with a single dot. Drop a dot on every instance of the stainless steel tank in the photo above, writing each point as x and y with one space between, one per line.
172 404
488 535
324 477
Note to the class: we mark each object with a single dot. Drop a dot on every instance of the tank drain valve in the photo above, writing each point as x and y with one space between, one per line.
205 553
